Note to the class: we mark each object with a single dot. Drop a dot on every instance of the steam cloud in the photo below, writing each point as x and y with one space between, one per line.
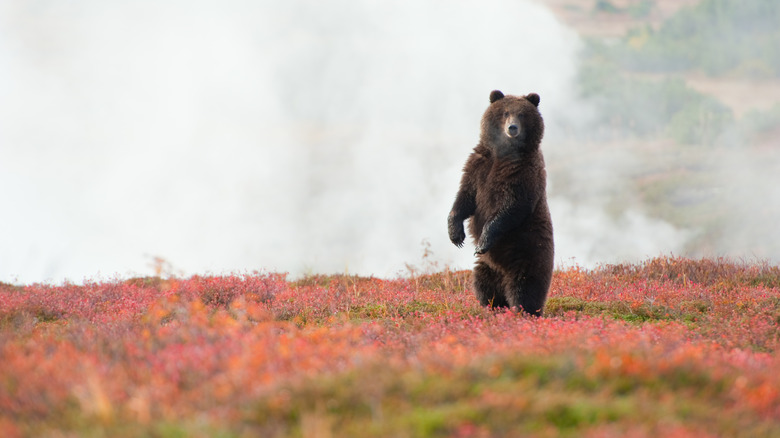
297 136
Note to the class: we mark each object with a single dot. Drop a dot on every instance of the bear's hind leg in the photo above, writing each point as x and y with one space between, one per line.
488 286
530 294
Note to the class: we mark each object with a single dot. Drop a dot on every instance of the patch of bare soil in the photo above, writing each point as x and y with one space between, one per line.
739 94
614 17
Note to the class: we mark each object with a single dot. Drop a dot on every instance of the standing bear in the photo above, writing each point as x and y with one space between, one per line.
503 192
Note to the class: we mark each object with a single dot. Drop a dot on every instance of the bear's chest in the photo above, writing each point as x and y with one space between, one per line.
497 184
497 176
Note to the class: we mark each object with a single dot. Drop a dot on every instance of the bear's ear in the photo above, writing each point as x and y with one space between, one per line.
496 95
533 98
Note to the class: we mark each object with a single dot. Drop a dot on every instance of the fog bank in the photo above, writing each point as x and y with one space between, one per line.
235 136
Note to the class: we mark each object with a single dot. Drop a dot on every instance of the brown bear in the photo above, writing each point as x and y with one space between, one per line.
503 192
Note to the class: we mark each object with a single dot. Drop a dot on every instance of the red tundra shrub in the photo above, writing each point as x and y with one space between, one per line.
255 354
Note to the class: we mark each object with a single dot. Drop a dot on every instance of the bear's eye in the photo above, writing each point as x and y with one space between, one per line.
506 113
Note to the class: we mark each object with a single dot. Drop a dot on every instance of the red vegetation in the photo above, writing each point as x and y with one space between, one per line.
697 340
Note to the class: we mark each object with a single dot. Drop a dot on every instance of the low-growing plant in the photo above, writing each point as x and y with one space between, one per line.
620 350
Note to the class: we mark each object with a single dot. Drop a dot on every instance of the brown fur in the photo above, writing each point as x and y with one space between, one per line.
503 192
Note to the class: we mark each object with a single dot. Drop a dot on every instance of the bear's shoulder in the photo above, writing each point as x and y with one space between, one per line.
479 156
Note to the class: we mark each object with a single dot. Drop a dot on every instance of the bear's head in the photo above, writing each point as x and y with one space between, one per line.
513 123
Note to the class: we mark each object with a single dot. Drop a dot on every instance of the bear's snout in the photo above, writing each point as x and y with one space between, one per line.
512 126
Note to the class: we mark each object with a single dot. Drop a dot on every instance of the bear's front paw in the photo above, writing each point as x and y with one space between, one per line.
457 235
482 246
456 231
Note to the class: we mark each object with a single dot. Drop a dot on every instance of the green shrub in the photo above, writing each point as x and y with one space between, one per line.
715 36
650 108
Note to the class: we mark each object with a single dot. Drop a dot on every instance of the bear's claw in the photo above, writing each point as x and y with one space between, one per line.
456 231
